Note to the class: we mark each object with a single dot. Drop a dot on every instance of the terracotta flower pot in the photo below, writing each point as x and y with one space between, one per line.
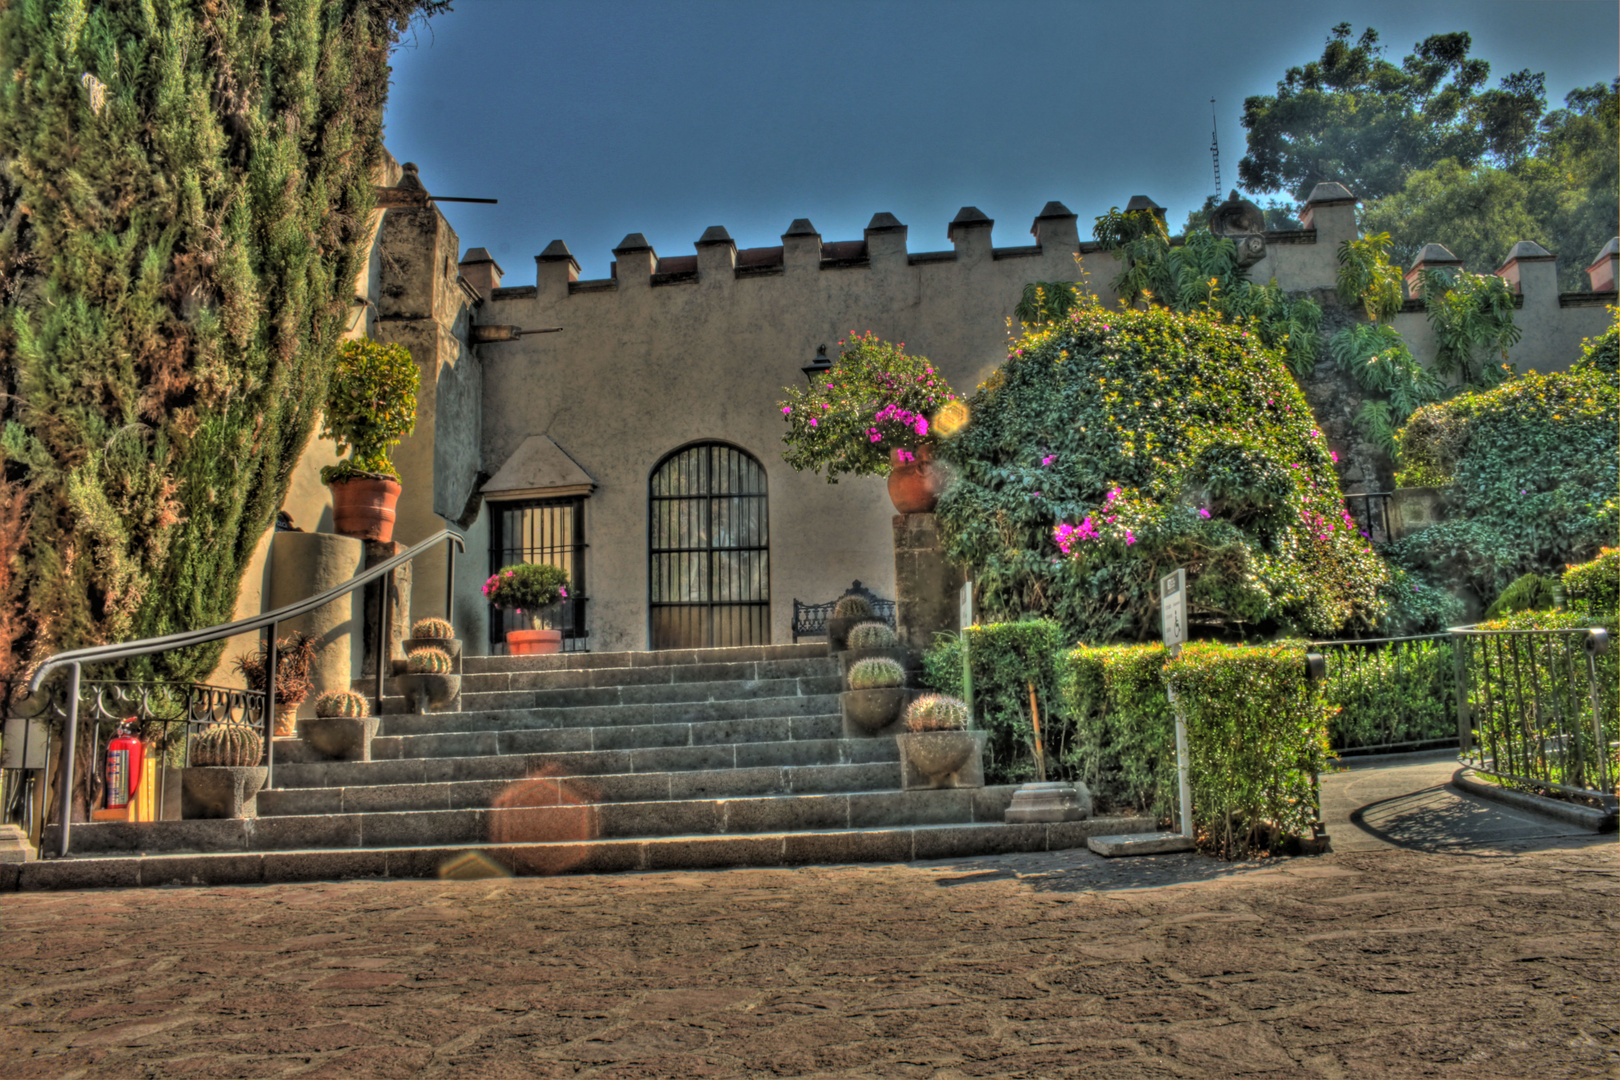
915 485
287 719
364 508
533 642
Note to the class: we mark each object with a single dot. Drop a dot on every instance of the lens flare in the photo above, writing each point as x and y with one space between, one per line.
951 418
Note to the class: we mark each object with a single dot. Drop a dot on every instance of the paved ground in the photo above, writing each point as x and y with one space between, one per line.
1404 953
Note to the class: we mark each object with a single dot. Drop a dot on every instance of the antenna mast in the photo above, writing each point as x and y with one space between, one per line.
1215 148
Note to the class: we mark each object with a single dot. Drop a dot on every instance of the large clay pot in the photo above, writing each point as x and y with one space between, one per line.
915 485
287 719
364 508
533 642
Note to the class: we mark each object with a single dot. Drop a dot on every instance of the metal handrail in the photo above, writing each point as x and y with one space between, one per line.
75 659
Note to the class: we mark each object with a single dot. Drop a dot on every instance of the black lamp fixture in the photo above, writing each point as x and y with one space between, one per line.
819 366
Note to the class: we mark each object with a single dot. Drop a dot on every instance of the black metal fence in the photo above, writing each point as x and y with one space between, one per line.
1370 510
1537 708
1393 694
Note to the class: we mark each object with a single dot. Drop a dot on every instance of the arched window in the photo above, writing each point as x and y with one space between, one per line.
709 549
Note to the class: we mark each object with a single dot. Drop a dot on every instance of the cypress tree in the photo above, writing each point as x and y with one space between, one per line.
184 189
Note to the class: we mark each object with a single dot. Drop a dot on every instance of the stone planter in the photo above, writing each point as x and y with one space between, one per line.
452 646
838 631
872 712
533 642
221 791
424 692
850 657
364 508
340 738
938 759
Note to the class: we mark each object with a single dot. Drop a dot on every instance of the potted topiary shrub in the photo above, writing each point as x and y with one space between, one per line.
295 661
343 726
224 775
876 693
852 608
370 406
529 589
936 749
430 681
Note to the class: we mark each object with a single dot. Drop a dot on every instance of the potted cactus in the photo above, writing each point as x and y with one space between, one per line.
434 634
370 406
529 589
876 693
343 727
295 662
936 749
852 608
869 640
430 681
224 776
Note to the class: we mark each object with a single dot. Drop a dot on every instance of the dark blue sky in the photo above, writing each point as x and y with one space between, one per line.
590 120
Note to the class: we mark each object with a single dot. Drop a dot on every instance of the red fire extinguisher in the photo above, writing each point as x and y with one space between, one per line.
124 761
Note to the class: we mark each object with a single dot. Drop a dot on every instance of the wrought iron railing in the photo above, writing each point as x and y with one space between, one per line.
810 620
74 660
1393 694
1370 509
1537 709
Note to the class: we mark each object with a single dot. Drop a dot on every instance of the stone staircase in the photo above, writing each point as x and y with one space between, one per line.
590 762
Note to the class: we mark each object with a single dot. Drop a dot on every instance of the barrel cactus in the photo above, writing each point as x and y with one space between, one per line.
876 673
873 635
433 628
344 703
936 712
429 662
852 606
228 744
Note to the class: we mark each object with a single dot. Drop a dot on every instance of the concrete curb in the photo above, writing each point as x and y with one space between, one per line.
1582 817
905 844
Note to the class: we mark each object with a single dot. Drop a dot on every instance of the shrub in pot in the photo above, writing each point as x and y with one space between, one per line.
370 406
529 589
876 693
430 681
295 661
224 776
849 611
343 726
936 749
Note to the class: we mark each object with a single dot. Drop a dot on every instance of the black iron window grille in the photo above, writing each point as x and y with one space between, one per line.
541 531
709 550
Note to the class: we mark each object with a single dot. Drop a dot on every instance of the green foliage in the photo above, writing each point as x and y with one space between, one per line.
936 712
876 673
1471 314
1533 472
1532 592
1593 588
1007 659
527 587
1418 605
429 661
432 628
1391 695
1353 117
873 635
1044 302
1602 353
228 744
1367 277
1202 274
1257 737
371 406
853 606
176 269
344 703
1374 356
1157 440
1124 741
877 398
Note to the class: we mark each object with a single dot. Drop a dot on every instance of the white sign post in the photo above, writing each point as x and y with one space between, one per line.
1173 619
964 619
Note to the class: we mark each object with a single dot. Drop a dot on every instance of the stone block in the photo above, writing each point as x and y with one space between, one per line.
641 736
221 791
703 852
726 783
245 869
941 806
889 845
393 798
628 787
281 802
423 828
1415 509
753 730
313 831
1052 801
282 866
957 841
10 876
663 759
632 819
815 727
786 813
1146 843
79 874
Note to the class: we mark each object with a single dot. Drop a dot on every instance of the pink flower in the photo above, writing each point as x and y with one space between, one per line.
562 592
1130 538
1203 513
1047 460
812 421
786 409
1334 454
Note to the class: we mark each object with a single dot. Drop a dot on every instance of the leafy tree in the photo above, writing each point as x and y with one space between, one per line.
183 192
1354 117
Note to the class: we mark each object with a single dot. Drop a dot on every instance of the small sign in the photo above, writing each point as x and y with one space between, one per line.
964 615
1173 608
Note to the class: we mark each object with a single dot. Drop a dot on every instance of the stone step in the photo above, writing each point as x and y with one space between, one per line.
906 844
522 740
606 788
537 817
579 716
737 654
487 765
685 693
582 678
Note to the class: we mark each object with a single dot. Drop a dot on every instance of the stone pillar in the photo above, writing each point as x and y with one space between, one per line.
301 565
926 585
399 605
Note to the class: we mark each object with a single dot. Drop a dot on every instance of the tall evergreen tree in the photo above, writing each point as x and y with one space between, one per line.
184 185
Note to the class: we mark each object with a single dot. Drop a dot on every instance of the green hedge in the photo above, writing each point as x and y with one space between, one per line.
1594 587
1124 741
1007 658
1404 692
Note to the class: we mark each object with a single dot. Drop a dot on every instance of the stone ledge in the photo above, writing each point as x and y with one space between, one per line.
1582 817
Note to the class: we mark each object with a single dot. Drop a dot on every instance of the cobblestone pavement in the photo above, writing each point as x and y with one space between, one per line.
1367 963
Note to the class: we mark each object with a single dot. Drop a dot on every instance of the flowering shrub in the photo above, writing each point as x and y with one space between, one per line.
877 398
1115 446
527 588
371 406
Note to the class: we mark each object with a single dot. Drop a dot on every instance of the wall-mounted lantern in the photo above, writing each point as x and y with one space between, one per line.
819 366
